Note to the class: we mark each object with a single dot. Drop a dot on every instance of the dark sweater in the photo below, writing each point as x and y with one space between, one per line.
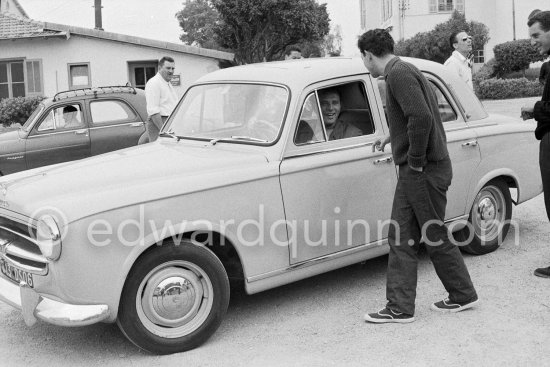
416 132
541 112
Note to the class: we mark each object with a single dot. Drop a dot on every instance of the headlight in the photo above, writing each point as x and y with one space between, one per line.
48 237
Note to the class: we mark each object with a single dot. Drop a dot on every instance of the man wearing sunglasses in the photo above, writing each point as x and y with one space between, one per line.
460 61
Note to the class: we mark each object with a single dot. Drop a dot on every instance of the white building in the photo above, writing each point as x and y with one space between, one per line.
41 58
506 19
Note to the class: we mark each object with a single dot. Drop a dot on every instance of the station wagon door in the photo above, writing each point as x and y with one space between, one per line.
114 125
336 192
61 135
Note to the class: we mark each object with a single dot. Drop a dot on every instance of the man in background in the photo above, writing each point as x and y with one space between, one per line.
161 98
460 61
293 52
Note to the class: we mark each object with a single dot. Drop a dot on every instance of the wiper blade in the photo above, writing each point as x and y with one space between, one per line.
238 137
170 134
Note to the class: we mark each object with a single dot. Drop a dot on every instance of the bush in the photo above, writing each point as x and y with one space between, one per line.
515 56
508 88
487 71
17 110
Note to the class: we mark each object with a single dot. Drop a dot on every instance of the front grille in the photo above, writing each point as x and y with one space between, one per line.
18 246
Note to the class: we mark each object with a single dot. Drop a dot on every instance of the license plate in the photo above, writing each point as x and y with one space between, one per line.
16 274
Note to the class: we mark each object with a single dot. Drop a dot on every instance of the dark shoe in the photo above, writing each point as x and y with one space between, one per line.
543 272
447 306
386 315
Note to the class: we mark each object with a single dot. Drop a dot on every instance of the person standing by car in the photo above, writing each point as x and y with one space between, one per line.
293 53
460 61
161 97
419 149
539 31
544 72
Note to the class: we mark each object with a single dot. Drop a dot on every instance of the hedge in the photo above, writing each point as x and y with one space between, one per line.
508 88
17 110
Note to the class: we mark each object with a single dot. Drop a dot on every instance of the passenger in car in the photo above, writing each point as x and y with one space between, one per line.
70 117
337 128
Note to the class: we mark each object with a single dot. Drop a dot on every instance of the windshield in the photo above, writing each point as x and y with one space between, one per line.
31 118
244 113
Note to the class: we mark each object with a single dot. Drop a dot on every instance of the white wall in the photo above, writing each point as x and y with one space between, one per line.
108 60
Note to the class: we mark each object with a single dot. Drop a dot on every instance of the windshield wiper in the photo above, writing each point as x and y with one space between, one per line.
170 134
238 137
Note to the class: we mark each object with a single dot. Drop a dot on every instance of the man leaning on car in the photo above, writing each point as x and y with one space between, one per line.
539 31
161 97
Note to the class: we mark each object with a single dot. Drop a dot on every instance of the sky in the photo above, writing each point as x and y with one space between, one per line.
155 19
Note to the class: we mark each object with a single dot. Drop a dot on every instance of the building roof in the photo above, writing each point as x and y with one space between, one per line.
13 28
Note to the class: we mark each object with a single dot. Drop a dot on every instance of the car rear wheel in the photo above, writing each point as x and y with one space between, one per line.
174 299
489 219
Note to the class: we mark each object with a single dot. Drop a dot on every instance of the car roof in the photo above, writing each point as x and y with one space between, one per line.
299 73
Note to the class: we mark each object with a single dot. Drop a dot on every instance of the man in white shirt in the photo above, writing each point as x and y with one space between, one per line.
160 96
459 62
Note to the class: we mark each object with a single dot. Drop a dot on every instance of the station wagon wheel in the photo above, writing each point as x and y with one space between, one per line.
174 299
489 219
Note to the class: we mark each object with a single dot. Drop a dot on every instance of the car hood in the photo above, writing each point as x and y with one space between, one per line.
128 177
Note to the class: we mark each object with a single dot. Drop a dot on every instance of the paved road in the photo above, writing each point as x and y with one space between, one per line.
318 321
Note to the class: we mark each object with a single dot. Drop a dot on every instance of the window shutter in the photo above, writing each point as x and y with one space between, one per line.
34 83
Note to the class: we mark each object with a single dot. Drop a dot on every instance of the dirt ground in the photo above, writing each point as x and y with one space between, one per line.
319 321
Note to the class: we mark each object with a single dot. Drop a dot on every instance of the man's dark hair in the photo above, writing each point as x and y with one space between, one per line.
164 59
377 41
69 108
324 92
542 17
453 40
289 49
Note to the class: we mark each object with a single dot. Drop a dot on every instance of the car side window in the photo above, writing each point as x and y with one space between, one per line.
446 111
111 112
67 117
334 113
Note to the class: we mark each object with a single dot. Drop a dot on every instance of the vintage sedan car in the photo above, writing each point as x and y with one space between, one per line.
75 124
150 236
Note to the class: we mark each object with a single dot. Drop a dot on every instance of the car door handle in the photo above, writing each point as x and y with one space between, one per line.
383 160
472 143
81 131
136 124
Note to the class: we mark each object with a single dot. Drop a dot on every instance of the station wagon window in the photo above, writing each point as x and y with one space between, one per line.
67 117
231 112
333 113
111 112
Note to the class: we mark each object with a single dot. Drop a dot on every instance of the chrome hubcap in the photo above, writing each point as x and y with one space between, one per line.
489 213
174 299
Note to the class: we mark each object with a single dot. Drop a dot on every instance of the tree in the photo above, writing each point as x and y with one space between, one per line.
434 45
199 20
332 44
255 30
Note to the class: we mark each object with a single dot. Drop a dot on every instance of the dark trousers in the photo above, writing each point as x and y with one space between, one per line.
419 210
544 163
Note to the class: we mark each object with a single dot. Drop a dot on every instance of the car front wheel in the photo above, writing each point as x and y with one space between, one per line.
174 298
489 219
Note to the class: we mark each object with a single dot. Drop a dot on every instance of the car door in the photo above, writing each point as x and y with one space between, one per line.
337 194
463 150
61 135
114 125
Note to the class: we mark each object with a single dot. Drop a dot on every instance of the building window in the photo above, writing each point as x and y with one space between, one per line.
446 6
12 79
141 72
34 77
386 9
79 76
479 57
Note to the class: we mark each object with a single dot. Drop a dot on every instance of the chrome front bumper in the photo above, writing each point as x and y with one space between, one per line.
34 306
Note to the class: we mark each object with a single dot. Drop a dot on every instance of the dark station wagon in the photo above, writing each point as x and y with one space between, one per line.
75 124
